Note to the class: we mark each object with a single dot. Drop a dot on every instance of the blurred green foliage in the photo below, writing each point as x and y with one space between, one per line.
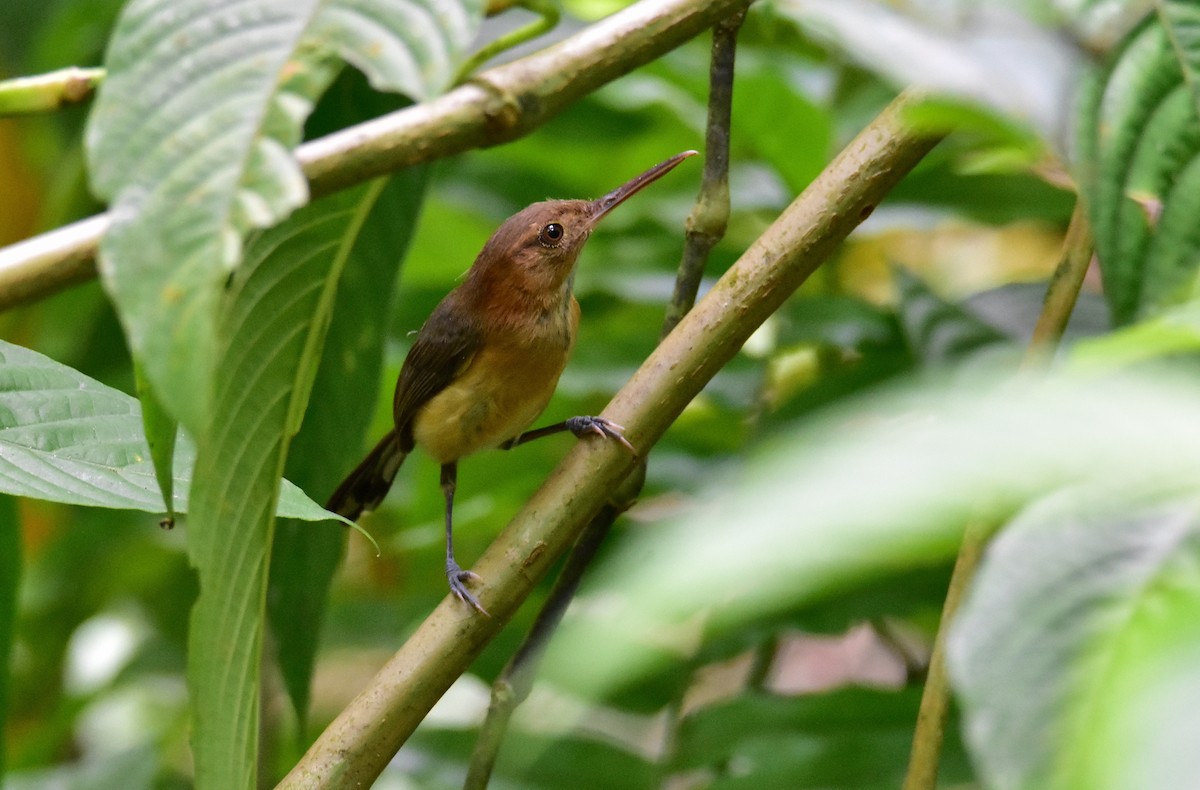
949 269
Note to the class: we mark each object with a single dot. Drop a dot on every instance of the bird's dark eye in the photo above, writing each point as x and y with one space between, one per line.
551 235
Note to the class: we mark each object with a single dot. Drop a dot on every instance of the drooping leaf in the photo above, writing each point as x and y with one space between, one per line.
68 438
1139 140
939 332
1075 627
1013 310
303 560
161 431
277 311
190 137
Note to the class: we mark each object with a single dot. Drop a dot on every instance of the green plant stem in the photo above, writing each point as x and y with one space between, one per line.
1063 291
1060 300
48 92
709 216
498 105
929 734
548 16
513 685
356 747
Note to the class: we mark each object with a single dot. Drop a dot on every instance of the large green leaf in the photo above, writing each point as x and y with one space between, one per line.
1076 654
68 438
278 309
865 492
303 560
1139 140
190 139
997 56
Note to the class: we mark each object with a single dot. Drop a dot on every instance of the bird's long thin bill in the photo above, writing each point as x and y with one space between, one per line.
623 192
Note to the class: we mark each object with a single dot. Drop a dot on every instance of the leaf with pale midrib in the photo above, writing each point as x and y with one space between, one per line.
278 311
68 438
331 438
190 141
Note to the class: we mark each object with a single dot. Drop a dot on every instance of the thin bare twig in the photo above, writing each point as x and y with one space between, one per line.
929 734
706 224
547 17
1063 290
1061 295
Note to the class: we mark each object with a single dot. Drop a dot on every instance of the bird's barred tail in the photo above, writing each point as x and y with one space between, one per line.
368 484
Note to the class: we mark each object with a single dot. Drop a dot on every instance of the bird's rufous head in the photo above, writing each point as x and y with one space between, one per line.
537 247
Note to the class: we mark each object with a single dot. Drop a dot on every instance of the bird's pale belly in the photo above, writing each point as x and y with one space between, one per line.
498 396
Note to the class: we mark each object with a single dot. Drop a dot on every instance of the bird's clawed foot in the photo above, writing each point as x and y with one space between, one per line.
458 579
601 427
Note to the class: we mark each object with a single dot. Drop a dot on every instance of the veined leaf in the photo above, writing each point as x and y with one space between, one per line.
939 332
1140 149
1073 630
1181 18
190 140
278 309
161 432
304 560
68 438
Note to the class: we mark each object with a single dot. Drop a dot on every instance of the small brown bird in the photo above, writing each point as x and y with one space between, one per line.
483 367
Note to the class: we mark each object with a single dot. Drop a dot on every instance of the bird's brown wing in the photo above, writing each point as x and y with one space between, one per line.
443 348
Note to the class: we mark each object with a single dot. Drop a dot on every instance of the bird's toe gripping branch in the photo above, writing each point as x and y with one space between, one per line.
458 579
581 426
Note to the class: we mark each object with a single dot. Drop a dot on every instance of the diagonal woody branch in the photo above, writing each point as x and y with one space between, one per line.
705 227
354 749
495 106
